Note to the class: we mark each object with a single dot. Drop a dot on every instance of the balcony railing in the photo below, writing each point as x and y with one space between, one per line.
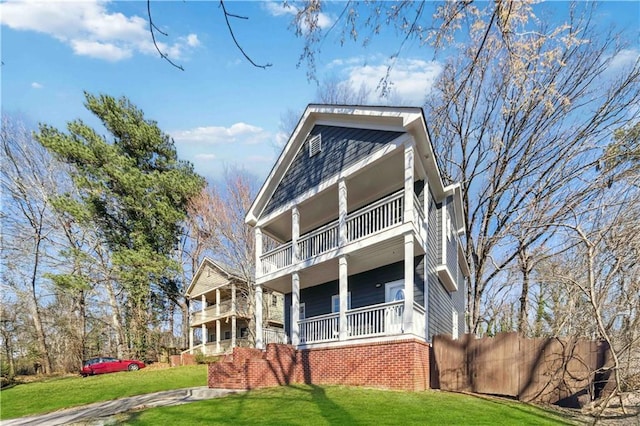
226 309
319 241
374 218
276 259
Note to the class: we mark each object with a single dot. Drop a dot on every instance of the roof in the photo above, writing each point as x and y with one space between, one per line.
225 270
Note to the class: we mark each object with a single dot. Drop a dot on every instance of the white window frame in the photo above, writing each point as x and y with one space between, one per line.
302 310
336 299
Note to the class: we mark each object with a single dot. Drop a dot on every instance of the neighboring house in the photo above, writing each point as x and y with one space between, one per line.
221 317
367 245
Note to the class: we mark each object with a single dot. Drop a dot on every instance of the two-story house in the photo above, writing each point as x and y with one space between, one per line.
221 316
367 249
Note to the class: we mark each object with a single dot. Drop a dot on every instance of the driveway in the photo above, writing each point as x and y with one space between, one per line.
99 413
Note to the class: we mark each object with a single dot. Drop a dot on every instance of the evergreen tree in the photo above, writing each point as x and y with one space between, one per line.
135 189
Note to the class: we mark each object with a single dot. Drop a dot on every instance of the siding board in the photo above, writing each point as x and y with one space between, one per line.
341 147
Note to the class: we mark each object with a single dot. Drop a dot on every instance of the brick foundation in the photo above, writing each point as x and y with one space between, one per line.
392 365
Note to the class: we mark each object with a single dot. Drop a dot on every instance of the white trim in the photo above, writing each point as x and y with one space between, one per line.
315 144
409 119
447 279
362 340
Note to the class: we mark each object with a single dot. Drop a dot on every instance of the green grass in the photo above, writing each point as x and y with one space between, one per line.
313 405
53 394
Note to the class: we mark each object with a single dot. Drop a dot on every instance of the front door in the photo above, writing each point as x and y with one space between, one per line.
394 291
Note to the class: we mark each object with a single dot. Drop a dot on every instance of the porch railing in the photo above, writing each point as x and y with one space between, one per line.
362 223
274 335
323 328
384 319
376 320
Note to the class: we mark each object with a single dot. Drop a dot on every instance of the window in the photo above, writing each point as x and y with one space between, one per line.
335 302
394 291
315 144
302 311
212 337
274 300
227 335
244 332
448 226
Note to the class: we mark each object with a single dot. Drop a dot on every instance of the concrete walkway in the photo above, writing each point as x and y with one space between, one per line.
102 413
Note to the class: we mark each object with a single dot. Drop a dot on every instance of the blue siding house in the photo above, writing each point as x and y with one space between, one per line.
356 228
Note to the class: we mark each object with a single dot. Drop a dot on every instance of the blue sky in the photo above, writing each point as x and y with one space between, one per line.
220 110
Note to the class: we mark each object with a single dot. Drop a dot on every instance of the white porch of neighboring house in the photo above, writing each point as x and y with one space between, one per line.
220 317
372 214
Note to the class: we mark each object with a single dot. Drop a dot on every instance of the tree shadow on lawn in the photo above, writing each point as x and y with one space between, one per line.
514 404
239 409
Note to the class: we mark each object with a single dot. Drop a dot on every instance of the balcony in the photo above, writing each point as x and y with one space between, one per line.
214 312
370 220
385 319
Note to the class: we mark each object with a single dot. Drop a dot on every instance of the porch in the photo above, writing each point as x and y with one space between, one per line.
225 346
380 320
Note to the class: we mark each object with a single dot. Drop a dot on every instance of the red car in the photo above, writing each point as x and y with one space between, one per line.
109 365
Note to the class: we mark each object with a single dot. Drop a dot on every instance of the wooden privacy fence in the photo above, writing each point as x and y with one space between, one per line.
551 370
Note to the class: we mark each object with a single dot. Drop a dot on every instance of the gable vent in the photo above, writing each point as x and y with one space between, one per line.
315 144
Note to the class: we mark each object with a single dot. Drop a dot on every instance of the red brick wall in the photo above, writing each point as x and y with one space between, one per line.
393 365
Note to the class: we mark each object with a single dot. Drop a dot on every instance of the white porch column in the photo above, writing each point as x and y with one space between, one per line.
203 303
295 234
234 310
343 296
426 267
217 301
258 249
203 327
191 331
408 283
295 309
408 183
218 335
342 213
258 317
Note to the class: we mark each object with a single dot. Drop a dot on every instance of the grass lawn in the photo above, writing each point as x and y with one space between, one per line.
53 394
314 405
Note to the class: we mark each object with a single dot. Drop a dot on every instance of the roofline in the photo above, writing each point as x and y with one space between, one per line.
314 113
217 265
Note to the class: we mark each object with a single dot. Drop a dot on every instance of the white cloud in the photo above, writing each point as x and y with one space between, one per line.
278 8
36 85
206 157
237 133
624 58
89 28
410 79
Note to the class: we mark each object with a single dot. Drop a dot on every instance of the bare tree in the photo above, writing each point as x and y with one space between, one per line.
600 266
217 229
28 179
